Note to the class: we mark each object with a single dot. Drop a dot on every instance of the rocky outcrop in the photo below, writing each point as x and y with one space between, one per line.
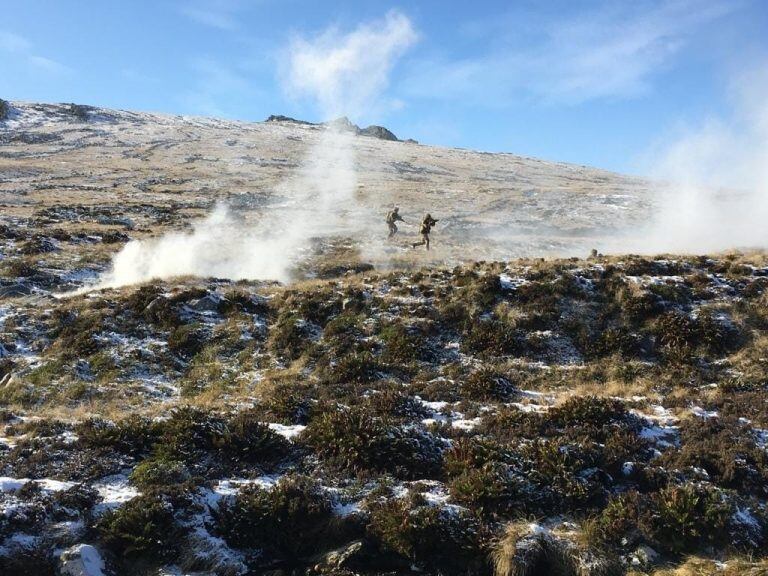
343 124
378 132
281 118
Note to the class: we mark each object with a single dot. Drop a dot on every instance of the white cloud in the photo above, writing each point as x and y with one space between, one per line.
346 74
22 49
611 52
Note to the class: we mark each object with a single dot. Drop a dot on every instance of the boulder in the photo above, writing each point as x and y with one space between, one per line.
378 132
81 560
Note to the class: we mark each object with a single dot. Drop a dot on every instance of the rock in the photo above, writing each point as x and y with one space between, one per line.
378 132
15 289
81 560
343 124
644 556
281 118
350 556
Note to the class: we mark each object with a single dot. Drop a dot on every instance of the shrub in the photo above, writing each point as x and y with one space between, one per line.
286 521
289 337
78 111
486 384
352 368
358 441
249 440
144 527
286 404
726 449
677 519
392 402
154 472
190 435
442 540
491 489
591 410
24 561
490 337
400 345
473 452
134 435
5 109
687 518
676 336
186 340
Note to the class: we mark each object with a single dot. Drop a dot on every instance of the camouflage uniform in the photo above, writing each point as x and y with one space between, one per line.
426 228
392 217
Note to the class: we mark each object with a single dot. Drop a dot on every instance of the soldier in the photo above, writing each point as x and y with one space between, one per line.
426 228
392 217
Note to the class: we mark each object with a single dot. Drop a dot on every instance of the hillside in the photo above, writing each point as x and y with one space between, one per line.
95 169
388 412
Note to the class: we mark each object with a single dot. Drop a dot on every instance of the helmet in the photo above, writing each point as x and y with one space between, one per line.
396 208
428 215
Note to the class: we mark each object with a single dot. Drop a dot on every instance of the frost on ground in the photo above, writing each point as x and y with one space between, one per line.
625 411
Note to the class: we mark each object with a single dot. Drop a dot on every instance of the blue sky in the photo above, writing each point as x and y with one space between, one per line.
592 82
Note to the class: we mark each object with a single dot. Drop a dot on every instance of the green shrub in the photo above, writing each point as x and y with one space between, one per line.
687 518
79 111
676 336
490 337
38 559
186 340
289 520
286 404
401 346
289 337
134 435
487 384
473 452
5 109
154 472
358 441
352 368
726 449
432 537
589 410
248 440
191 436
490 489
144 527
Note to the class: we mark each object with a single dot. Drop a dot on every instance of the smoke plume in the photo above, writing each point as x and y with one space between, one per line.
714 179
343 74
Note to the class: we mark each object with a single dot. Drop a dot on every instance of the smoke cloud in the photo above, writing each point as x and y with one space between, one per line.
714 190
347 73
342 74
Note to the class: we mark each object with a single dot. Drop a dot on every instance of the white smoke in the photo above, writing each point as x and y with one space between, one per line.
715 191
343 74
347 73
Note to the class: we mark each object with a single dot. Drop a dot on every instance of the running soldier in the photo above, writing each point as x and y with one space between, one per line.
392 217
426 228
